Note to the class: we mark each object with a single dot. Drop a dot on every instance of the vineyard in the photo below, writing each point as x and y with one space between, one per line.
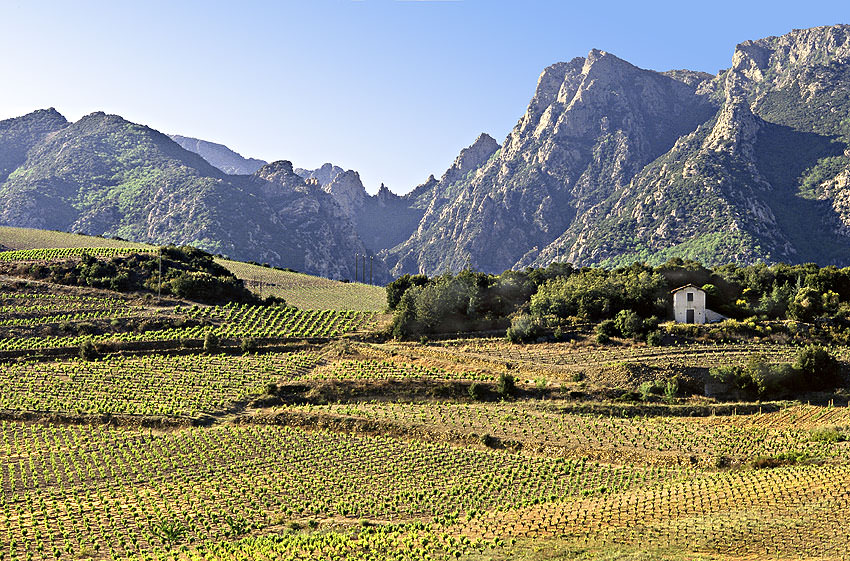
64 253
134 428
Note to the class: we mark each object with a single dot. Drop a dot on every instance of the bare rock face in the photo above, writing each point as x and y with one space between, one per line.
348 191
593 123
761 180
323 175
471 158
611 163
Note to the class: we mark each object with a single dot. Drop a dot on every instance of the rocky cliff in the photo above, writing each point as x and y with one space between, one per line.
612 163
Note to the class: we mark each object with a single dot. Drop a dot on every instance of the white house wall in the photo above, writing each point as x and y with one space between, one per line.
681 305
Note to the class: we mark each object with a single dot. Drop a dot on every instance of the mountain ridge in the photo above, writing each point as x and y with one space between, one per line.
609 164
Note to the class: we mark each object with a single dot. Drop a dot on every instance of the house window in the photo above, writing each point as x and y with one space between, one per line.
690 296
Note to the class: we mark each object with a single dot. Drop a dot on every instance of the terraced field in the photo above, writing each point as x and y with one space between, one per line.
81 490
198 433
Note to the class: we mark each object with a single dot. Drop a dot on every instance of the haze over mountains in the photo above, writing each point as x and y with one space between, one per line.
609 164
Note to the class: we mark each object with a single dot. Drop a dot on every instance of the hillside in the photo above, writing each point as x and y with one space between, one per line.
106 176
246 431
219 155
612 163
300 290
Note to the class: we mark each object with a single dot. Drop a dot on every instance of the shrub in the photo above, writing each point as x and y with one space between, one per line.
248 345
628 323
821 370
506 386
671 389
524 329
828 434
476 391
211 342
87 350
650 388
654 339
607 328
815 369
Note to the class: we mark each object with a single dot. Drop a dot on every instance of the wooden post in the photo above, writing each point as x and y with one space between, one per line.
159 282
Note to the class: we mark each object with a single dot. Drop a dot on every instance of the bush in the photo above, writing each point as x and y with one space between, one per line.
506 386
248 345
628 323
671 389
654 339
828 434
211 342
650 388
87 350
821 370
607 328
524 329
476 391
815 369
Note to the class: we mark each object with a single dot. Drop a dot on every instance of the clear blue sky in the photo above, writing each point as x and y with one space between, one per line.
393 89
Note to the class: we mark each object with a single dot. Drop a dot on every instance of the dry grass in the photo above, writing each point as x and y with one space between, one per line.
309 292
29 238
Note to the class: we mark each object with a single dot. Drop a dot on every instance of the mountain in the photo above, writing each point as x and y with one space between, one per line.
18 136
612 163
609 164
766 178
219 155
382 220
323 175
106 176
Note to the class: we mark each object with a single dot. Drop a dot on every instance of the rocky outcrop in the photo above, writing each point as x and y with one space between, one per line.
611 163
324 175
735 189
592 124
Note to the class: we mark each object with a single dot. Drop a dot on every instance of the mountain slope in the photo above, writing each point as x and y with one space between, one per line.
106 176
765 179
612 163
18 136
219 155
592 124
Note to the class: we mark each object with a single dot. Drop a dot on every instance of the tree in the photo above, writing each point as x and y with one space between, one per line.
807 304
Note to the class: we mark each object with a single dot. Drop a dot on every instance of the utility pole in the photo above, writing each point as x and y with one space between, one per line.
364 268
159 283
371 260
356 257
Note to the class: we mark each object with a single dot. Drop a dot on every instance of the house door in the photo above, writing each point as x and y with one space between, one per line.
689 316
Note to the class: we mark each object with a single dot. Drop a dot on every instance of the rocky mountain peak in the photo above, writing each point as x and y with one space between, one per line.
348 191
281 173
471 158
325 174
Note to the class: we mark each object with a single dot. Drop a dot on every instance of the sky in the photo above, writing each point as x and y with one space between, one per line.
391 88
